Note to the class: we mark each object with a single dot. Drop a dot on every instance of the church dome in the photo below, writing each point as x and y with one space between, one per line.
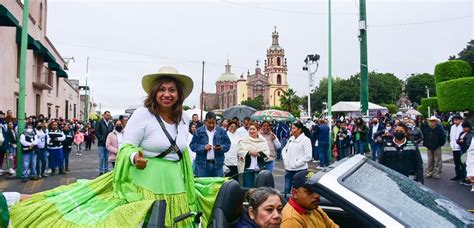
227 77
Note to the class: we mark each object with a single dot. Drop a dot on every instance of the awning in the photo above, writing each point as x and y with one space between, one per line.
61 73
54 66
32 43
7 18
47 56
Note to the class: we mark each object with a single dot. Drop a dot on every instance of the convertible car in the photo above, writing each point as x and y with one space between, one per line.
357 192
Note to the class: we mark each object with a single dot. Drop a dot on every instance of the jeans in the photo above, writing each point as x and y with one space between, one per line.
289 179
209 170
249 178
343 152
459 168
360 147
41 161
11 157
66 153
79 147
29 162
270 165
56 159
103 159
323 154
375 150
283 144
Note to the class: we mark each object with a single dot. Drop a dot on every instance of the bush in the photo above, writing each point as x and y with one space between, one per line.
452 69
423 110
456 95
391 108
432 102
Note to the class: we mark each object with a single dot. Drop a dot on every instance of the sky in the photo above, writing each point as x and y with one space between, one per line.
128 39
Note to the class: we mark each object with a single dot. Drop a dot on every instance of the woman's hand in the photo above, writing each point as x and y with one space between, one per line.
253 153
139 160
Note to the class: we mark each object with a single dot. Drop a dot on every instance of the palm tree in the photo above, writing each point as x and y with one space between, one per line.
289 101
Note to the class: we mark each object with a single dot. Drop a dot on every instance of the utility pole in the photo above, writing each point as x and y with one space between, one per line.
364 72
202 89
428 95
311 60
86 97
329 102
21 89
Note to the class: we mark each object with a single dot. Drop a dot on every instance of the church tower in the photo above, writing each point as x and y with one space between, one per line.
276 70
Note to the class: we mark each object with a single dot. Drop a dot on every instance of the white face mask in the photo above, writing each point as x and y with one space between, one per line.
389 128
29 130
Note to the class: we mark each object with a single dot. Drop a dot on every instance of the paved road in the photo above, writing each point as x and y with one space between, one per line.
85 167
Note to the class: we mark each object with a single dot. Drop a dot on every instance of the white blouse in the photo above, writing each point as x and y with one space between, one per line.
143 130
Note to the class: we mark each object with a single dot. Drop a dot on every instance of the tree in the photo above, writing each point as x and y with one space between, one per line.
467 54
256 103
289 100
415 86
185 107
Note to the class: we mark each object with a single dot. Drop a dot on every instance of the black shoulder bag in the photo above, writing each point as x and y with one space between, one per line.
173 147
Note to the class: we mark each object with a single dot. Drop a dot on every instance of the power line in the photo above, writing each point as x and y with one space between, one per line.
421 22
285 11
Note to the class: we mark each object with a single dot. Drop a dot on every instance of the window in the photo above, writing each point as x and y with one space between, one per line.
41 16
18 61
278 61
279 79
74 112
222 88
278 93
57 86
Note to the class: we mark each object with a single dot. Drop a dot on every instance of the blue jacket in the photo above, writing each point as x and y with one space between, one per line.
379 128
200 140
282 131
323 134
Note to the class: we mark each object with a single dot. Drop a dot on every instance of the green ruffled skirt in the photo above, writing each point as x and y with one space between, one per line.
117 199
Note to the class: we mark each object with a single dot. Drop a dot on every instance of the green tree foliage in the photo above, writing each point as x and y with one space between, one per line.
456 95
467 54
290 101
391 108
383 88
185 107
452 69
256 103
277 108
415 86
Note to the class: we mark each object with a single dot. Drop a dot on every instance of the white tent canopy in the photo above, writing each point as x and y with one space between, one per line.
354 106
191 112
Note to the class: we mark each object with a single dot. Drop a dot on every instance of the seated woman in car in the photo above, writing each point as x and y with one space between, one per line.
265 205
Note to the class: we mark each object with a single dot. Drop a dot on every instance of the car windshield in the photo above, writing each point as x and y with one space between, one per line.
407 201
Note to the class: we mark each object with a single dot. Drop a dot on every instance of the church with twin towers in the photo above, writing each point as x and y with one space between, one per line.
270 83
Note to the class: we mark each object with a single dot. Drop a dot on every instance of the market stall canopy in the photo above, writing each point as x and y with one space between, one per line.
354 106
273 115
191 112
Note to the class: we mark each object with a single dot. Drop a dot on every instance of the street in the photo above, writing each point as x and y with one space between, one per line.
85 167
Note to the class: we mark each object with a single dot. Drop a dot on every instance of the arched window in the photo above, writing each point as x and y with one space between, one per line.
222 88
278 93
278 61
279 79
41 15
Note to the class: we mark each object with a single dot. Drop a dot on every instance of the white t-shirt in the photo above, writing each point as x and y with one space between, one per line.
231 155
210 136
143 130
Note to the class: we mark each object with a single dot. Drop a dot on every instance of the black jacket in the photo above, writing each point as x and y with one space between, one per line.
67 143
434 138
466 141
405 159
102 130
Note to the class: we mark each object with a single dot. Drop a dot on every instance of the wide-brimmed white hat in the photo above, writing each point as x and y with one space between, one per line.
433 118
186 81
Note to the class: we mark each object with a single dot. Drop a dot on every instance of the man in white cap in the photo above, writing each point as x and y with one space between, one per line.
434 139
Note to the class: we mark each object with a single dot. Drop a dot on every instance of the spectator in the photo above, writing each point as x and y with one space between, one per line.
54 144
302 210
102 130
231 155
252 154
434 139
323 143
415 134
192 154
464 141
402 155
210 142
265 205
296 154
455 131
9 145
243 130
29 142
79 141
225 124
359 135
67 145
9 117
283 134
89 136
469 160
195 120
375 139
343 141
113 142
41 161
273 144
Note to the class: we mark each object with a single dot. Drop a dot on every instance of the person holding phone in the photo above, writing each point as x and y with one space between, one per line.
210 142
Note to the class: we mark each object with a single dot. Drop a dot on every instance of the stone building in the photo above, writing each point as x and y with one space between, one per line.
270 83
48 90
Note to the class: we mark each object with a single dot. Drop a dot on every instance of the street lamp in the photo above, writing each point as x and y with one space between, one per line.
309 61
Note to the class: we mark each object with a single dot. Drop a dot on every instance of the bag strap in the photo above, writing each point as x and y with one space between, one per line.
173 146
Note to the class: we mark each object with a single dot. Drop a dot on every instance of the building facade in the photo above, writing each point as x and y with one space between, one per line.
48 90
270 83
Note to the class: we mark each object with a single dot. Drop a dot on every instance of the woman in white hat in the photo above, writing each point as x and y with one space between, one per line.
152 164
